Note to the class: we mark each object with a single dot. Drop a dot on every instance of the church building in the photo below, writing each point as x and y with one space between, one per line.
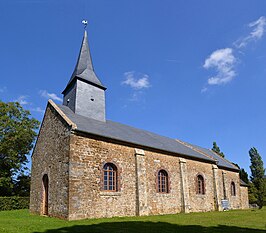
85 166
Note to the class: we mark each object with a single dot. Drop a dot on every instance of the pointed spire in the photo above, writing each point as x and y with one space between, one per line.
84 67
84 60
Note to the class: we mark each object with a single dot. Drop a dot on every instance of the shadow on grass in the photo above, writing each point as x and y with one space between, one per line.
154 227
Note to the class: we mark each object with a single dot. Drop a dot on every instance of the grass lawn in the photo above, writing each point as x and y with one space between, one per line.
251 221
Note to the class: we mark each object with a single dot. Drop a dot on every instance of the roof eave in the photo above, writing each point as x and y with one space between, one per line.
84 80
228 168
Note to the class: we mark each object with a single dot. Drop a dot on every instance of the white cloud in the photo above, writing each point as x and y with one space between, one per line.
22 100
48 95
37 109
204 89
258 30
137 81
223 61
259 27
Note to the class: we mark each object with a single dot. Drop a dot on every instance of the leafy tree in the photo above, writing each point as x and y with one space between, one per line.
264 196
243 175
17 135
257 174
216 149
22 186
252 194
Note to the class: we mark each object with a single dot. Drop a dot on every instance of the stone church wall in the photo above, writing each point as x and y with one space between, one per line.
199 202
168 203
225 188
51 157
137 172
244 197
86 199
163 203
234 201
74 161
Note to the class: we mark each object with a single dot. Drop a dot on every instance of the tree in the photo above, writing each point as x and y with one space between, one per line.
264 196
22 186
257 174
236 165
252 194
17 136
216 149
243 175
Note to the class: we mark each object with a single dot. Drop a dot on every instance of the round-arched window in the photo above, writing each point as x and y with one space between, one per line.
162 184
109 177
233 189
200 185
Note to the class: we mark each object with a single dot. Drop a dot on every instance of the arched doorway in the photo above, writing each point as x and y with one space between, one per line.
45 182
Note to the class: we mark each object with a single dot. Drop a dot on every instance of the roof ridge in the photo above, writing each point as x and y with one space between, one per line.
195 149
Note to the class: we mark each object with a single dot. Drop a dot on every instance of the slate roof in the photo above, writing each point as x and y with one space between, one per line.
222 162
125 133
243 183
84 68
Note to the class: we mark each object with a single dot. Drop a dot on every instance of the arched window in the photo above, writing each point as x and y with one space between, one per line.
162 182
200 185
233 189
109 177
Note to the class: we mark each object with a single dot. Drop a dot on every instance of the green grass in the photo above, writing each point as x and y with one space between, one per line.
250 221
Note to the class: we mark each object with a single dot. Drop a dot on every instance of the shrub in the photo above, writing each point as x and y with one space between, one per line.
14 203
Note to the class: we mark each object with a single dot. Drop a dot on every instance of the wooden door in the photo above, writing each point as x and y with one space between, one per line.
45 181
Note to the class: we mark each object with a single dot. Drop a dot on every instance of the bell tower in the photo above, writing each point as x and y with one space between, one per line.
84 93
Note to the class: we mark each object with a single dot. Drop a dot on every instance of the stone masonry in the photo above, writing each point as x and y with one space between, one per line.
51 157
74 161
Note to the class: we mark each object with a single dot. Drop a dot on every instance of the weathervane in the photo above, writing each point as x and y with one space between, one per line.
85 23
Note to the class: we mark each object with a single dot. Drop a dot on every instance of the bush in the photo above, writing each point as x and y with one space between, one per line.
14 203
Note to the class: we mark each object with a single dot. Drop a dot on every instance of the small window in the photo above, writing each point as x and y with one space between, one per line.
163 182
200 186
109 177
233 189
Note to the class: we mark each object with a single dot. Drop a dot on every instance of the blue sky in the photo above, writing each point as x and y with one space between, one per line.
192 70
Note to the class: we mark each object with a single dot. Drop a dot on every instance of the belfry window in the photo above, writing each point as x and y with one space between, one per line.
109 177
233 189
200 185
162 182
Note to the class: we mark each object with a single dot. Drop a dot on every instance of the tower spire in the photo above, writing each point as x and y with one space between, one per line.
84 68
84 93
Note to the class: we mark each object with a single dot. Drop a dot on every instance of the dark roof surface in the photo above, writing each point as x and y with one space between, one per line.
220 161
124 133
243 183
84 67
